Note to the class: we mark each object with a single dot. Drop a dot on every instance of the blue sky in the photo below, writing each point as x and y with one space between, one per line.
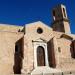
21 12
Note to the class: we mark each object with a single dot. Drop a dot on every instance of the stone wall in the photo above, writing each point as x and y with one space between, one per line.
7 50
10 28
30 36
65 60
8 38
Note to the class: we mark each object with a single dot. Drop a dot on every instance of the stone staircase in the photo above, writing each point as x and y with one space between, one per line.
50 71
60 73
45 70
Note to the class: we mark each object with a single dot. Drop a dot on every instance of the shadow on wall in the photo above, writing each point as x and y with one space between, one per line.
51 53
18 56
72 49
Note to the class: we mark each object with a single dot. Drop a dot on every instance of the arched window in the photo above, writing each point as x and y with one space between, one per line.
40 56
53 12
64 12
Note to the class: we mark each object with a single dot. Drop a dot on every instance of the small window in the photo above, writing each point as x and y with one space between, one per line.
39 30
59 49
16 48
64 12
53 12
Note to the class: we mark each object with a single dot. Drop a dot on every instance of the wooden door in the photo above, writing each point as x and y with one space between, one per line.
40 56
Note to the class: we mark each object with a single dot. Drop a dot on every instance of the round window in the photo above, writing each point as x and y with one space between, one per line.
39 30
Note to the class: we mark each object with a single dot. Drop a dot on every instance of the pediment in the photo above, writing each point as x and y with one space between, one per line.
38 24
38 30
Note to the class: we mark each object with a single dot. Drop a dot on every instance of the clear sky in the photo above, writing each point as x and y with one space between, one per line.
21 12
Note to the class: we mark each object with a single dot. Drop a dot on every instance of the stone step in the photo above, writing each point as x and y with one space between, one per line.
45 74
45 70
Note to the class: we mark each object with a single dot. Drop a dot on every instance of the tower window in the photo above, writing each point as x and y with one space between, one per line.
53 12
64 12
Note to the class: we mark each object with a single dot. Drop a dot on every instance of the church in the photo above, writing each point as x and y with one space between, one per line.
37 48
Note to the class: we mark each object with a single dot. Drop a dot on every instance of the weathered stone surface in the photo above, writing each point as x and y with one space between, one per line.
11 46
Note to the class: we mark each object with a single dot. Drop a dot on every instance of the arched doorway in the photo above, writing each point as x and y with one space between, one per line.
40 56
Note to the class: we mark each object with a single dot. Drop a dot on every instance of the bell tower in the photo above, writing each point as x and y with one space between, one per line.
60 19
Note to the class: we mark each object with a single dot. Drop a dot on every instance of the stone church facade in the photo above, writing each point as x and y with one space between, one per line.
24 49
